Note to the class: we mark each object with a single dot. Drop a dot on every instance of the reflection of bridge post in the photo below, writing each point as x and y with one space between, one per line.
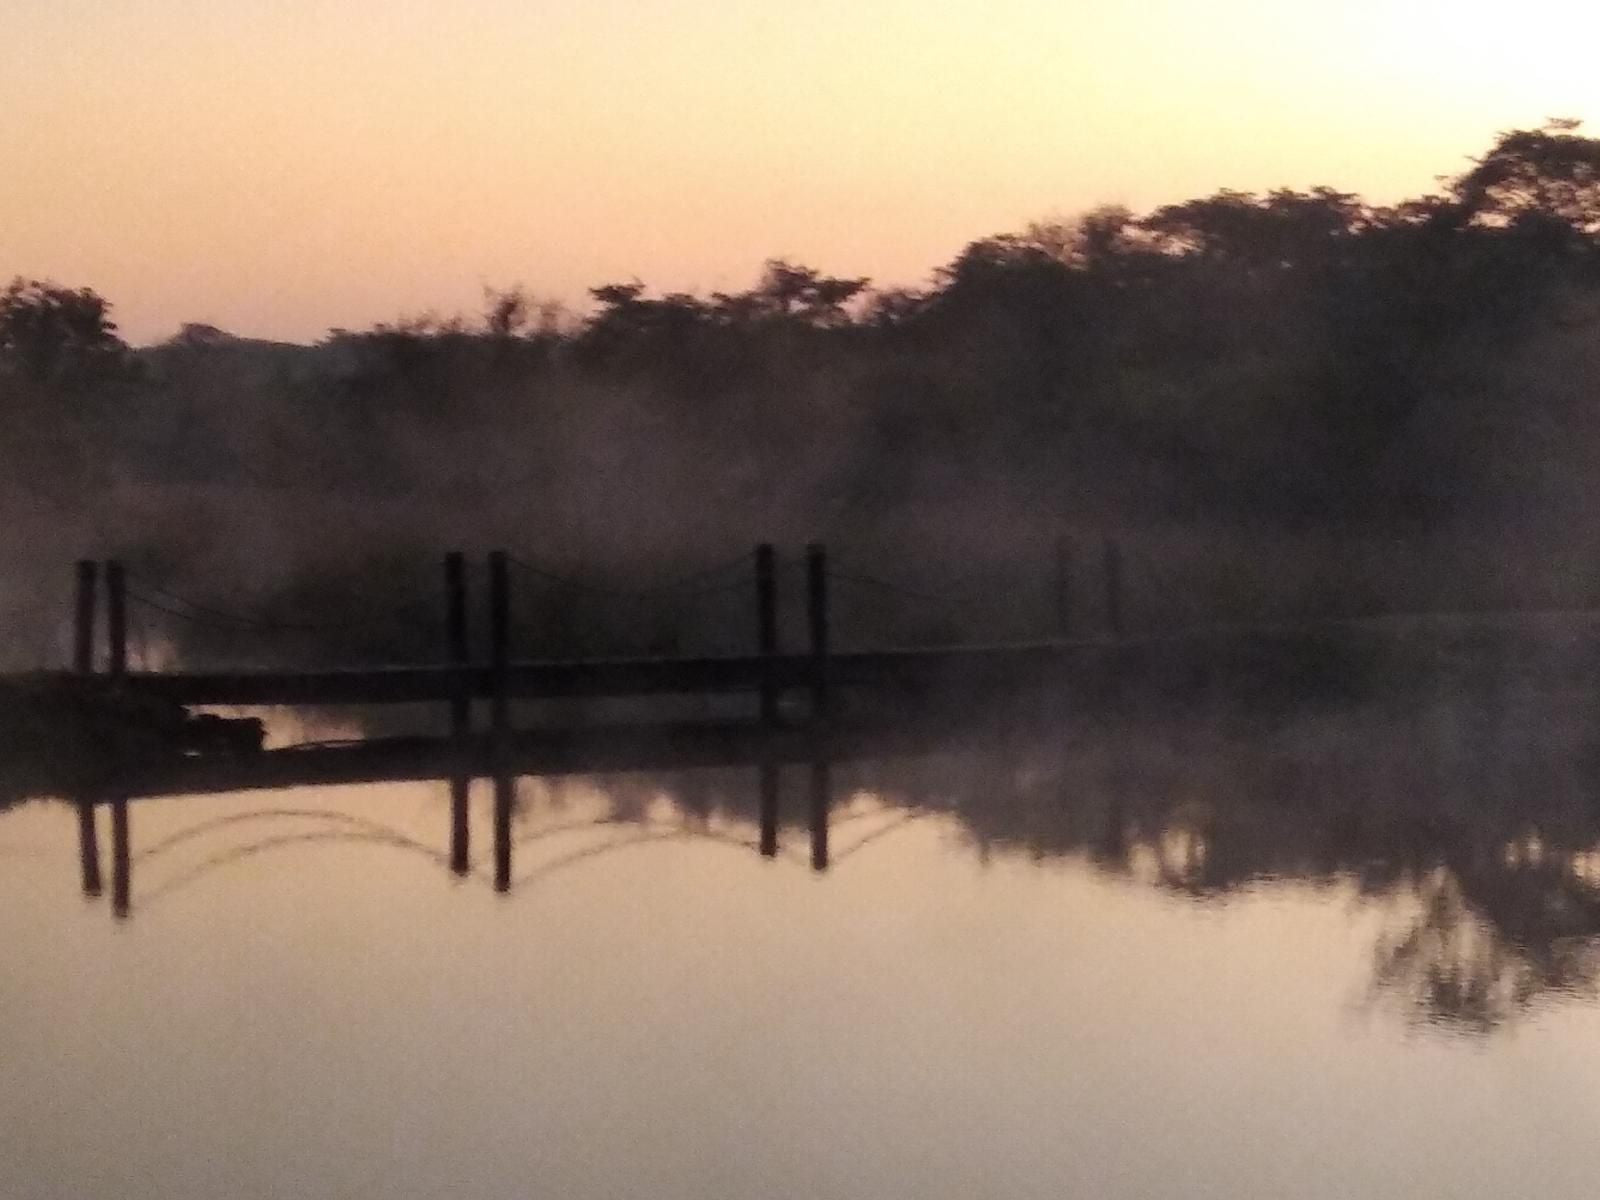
88 848
121 864
504 788
821 798
460 790
769 808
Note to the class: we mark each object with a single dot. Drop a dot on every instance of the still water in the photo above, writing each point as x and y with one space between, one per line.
1352 955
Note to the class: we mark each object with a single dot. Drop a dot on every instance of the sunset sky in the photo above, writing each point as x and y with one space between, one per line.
279 168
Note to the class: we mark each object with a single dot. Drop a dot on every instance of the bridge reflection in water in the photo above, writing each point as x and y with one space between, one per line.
546 754
1473 816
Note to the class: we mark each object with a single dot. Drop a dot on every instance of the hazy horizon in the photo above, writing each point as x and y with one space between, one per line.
277 174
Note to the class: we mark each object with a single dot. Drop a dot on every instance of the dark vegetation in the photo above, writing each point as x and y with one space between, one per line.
1285 406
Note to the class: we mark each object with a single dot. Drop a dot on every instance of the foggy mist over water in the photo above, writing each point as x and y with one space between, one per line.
1282 406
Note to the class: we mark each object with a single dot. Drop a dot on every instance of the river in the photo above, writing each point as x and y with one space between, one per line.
1349 955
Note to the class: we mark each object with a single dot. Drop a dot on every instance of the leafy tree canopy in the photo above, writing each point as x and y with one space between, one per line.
1549 173
55 335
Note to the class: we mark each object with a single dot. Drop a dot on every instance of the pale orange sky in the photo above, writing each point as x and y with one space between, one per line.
280 167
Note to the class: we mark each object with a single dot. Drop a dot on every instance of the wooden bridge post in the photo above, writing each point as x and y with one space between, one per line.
499 647
821 801
1113 570
458 652
116 619
821 784
1063 581
83 664
455 591
83 619
817 616
121 861
767 630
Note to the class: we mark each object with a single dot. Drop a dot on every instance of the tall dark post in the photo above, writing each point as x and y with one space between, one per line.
499 647
121 863
88 848
83 664
767 630
769 808
1114 588
83 620
1063 588
455 591
504 791
817 616
459 653
117 619
821 800
500 713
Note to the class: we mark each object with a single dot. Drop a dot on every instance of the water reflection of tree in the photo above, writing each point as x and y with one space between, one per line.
1502 925
1472 817
1491 941
1476 823
1466 806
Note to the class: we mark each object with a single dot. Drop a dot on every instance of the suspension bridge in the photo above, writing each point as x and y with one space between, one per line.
796 718
776 734
454 679
426 657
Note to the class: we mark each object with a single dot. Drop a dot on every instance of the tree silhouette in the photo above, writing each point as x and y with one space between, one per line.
1549 174
55 335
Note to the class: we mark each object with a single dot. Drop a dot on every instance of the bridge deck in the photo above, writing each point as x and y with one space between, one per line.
604 677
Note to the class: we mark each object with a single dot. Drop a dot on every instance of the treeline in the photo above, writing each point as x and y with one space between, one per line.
1295 368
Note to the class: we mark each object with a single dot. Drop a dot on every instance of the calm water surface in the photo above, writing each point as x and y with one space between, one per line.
1353 958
